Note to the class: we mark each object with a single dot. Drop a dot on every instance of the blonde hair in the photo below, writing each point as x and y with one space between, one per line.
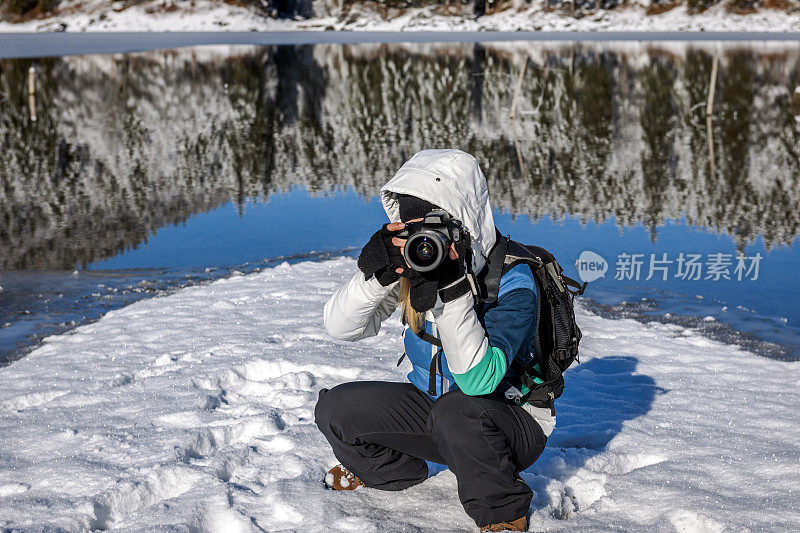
411 316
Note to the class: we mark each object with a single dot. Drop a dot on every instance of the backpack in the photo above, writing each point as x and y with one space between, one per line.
557 335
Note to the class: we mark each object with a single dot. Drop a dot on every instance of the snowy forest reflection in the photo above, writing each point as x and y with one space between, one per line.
126 144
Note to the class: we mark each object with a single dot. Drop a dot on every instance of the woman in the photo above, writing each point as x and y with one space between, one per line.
465 416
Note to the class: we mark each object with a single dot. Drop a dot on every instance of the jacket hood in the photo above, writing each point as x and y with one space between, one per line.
452 180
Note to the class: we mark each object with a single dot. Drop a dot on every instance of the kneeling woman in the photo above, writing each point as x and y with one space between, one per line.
458 409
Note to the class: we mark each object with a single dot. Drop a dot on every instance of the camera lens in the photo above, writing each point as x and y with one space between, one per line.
425 250
423 254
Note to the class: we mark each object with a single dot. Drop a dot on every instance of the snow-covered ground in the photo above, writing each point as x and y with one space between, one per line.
214 15
194 412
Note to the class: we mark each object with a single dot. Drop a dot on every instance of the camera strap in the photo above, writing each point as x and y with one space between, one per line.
427 337
454 291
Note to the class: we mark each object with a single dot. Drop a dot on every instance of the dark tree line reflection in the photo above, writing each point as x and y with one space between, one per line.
124 145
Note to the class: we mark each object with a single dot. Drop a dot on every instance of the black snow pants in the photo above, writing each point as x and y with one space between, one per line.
383 432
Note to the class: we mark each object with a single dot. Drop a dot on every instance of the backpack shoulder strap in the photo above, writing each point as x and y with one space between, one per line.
520 253
489 282
505 255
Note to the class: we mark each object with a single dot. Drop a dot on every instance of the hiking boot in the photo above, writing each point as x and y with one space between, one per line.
340 478
520 524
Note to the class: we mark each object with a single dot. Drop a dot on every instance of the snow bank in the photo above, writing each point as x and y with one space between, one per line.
195 411
149 15
213 15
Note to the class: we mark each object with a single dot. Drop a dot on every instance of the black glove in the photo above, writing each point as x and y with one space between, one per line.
380 257
425 285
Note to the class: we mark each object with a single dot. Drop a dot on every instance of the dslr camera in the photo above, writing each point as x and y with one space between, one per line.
429 240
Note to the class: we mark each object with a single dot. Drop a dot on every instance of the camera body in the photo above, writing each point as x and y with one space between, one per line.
429 240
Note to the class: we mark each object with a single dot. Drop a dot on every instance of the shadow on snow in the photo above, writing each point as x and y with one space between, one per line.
599 397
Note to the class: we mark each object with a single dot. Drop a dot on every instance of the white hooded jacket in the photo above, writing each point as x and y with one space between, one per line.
451 179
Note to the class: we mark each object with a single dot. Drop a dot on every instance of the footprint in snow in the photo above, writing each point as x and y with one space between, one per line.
10 489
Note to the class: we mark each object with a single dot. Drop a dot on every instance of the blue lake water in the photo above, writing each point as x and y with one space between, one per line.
128 176
297 223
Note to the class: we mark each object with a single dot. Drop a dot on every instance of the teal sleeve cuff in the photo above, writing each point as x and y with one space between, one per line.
484 377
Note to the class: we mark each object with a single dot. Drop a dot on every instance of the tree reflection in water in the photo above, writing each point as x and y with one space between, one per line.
126 144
